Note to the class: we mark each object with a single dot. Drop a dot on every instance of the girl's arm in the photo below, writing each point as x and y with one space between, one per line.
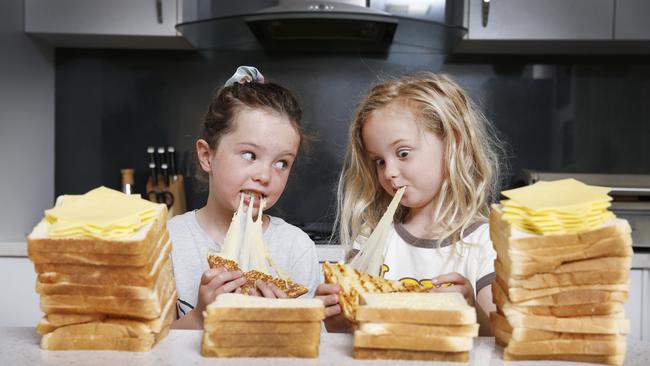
482 302
484 306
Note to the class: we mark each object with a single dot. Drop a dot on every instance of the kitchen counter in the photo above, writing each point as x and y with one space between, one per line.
20 346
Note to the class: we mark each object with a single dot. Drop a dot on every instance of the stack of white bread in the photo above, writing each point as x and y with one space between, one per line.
104 272
237 325
415 326
562 269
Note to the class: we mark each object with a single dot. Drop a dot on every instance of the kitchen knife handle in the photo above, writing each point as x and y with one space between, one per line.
154 176
172 162
165 174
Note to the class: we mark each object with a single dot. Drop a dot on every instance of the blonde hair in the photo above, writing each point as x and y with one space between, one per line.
470 158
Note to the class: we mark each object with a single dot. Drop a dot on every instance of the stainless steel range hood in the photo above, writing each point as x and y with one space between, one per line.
333 27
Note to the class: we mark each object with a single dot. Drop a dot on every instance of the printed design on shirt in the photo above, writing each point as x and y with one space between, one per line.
426 282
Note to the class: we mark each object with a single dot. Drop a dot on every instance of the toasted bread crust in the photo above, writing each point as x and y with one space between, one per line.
290 288
352 281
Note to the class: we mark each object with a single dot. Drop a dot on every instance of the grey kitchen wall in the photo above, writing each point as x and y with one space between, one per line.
26 126
552 113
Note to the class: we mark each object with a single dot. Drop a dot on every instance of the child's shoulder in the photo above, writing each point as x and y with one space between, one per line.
280 228
181 220
478 233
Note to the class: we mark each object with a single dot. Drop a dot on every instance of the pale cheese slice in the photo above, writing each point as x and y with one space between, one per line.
371 256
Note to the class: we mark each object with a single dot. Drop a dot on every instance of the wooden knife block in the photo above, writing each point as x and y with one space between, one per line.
176 188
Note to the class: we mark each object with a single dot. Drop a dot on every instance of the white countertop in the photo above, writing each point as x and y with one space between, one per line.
20 346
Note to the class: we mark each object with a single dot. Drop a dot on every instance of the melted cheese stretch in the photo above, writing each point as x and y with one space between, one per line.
371 256
244 241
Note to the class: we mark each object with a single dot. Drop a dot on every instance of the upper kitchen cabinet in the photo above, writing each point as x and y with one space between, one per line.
556 27
632 20
145 24
541 19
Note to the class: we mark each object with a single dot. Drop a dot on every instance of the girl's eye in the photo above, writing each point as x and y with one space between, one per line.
402 153
282 164
247 155
379 162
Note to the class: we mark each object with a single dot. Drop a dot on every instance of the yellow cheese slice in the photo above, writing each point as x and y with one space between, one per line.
564 195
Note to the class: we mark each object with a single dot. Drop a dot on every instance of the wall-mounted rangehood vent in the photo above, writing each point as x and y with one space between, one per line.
331 27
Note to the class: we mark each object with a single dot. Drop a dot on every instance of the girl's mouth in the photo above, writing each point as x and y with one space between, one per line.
257 198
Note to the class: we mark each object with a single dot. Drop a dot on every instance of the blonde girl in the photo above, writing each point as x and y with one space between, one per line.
421 132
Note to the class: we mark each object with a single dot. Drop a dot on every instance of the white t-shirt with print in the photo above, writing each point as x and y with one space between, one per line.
410 259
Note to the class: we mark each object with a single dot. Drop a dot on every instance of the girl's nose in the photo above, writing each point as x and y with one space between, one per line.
390 170
262 175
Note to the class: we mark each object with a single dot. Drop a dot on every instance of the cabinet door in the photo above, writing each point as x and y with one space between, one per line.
631 20
101 17
542 20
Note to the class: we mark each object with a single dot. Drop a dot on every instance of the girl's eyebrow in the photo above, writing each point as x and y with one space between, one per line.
283 153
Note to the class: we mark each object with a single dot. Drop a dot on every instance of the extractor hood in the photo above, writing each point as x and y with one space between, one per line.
333 27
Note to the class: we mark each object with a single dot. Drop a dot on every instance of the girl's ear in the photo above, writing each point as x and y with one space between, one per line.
204 154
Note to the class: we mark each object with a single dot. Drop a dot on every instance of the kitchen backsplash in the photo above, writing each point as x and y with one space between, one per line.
563 114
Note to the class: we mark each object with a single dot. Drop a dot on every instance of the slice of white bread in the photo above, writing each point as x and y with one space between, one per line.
209 349
566 346
604 275
261 327
309 339
416 308
577 297
518 294
398 354
238 307
115 289
560 311
615 360
103 275
51 322
615 324
500 325
413 342
39 241
149 308
425 330
102 336
151 253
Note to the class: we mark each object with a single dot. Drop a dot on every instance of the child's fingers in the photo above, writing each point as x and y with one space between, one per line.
264 289
210 274
452 277
329 300
332 310
328 288
230 285
277 291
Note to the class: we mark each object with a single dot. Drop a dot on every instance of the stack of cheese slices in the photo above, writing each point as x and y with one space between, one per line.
415 326
562 271
237 325
104 272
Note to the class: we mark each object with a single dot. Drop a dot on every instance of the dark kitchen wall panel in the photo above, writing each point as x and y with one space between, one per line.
550 114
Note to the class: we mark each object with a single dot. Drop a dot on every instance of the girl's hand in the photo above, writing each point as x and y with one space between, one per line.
267 290
328 293
454 282
335 322
217 281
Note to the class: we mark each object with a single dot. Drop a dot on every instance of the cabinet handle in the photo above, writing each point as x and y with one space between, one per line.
485 11
159 11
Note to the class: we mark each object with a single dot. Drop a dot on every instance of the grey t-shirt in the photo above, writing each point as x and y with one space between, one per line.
290 248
